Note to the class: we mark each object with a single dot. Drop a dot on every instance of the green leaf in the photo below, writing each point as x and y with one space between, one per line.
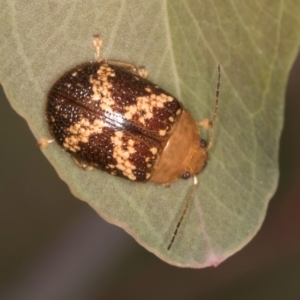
180 42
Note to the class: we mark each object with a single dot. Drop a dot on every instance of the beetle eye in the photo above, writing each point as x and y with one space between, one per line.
186 175
202 143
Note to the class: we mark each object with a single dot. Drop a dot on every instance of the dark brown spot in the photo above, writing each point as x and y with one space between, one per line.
186 175
203 143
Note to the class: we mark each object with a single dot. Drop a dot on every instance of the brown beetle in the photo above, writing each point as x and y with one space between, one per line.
108 116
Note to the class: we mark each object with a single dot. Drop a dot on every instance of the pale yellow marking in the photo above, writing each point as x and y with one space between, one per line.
101 87
130 142
80 132
153 150
119 134
162 132
126 155
145 105
106 107
74 74
122 156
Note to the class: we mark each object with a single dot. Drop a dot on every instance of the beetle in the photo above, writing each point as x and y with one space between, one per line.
107 115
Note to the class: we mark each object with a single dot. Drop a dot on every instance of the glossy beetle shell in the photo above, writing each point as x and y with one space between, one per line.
109 118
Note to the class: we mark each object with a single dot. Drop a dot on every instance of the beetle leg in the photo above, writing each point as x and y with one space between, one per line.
205 123
210 124
141 71
82 165
44 142
97 42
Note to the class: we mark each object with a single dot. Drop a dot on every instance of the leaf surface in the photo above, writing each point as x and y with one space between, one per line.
180 43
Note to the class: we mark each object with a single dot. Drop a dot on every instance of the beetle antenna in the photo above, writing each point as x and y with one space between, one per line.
213 121
187 204
97 42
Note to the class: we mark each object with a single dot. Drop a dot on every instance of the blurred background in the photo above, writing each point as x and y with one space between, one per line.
54 246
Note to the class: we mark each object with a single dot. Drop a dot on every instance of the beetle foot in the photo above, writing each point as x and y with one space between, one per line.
205 123
83 165
142 72
44 142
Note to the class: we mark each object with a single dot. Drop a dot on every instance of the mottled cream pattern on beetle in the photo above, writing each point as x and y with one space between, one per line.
142 109
101 87
145 105
122 156
80 132
124 148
